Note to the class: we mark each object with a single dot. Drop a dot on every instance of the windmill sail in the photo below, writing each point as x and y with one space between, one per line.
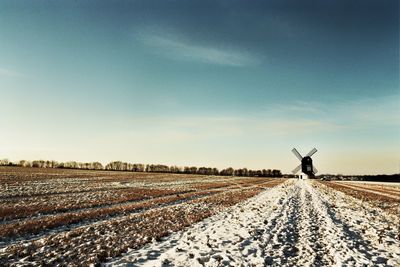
312 152
297 169
314 170
297 154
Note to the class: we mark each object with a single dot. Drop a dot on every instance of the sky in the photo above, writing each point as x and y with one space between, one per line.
203 83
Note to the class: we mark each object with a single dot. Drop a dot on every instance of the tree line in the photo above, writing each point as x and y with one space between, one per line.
378 177
138 167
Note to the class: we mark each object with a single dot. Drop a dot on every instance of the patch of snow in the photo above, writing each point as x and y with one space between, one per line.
297 223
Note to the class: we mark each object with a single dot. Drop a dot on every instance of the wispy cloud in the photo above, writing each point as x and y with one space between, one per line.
295 119
171 46
360 113
9 73
374 111
289 121
201 128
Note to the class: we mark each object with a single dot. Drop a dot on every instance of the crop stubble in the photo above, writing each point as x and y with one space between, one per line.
383 197
80 217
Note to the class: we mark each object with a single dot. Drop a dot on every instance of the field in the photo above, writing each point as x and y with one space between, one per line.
76 218
56 216
299 223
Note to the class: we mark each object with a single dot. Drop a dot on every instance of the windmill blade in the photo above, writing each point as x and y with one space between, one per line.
314 169
297 154
297 169
312 152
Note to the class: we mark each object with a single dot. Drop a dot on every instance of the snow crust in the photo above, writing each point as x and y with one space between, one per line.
299 223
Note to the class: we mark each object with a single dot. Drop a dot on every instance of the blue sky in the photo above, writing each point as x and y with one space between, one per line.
205 83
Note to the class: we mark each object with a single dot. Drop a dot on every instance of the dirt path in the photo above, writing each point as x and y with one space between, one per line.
296 224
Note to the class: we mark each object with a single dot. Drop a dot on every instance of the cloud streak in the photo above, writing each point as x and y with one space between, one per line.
180 129
9 73
175 48
279 121
360 113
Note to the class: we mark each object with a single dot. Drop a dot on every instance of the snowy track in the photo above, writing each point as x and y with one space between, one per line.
295 224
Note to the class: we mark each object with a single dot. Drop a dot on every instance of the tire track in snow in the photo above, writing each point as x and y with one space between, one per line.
367 234
282 230
313 246
340 239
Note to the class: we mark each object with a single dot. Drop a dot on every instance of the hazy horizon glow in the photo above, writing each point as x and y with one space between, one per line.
211 83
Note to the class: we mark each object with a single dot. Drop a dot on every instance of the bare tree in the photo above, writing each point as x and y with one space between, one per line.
25 163
4 162
227 172
276 173
138 167
175 169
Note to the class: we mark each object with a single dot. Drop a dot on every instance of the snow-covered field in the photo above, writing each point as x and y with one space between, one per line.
395 184
299 223
54 217
51 217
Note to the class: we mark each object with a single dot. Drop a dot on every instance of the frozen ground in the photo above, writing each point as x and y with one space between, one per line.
395 184
299 223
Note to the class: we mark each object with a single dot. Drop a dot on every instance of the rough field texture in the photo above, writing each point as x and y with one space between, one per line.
75 218
53 217
300 223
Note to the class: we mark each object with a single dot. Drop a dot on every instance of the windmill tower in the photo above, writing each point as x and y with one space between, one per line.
306 166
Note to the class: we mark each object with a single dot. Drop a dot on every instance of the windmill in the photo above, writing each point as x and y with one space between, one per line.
306 165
